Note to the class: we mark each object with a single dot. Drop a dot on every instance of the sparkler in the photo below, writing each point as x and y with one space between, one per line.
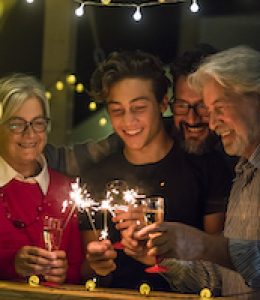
82 201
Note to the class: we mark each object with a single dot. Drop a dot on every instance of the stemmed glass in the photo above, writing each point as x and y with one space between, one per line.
153 208
52 235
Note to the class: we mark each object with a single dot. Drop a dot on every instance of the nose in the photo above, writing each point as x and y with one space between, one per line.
212 121
29 130
129 117
192 117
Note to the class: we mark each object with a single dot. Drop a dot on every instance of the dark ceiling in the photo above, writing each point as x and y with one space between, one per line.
157 32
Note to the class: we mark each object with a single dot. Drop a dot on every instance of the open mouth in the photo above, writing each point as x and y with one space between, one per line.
27 145
132 132
194 129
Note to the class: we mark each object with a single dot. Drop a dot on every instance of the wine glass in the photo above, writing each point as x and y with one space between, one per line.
115 193
52 235
153 208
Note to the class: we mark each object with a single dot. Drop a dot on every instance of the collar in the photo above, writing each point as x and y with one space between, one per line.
7 173
255 157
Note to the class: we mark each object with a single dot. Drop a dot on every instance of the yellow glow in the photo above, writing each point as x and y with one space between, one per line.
71 79
92 106
79 88
48 95
59 85
105 2
102 122
161 1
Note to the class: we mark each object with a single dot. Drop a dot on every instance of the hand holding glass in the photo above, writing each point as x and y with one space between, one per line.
154 212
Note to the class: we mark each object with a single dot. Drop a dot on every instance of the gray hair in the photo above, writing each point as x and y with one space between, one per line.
15 90
237 69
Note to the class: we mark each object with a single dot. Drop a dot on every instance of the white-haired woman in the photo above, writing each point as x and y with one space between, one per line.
29 191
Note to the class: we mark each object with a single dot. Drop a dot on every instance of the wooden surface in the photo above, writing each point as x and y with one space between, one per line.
13 291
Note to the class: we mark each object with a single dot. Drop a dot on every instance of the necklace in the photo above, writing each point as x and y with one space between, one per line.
17 223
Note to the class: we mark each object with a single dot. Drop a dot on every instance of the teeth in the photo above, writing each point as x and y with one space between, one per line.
31 145
133 132
195 129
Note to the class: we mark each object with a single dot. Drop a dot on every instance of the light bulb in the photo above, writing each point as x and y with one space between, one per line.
92 106
29 1
161 1
80 87
194 6
106 2
71 79
48 95
80 10
59 85
102 122
137 15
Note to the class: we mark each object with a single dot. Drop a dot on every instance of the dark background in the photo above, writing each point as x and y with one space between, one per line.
21 35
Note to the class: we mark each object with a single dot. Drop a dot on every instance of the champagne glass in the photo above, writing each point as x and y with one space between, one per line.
52 234
154 212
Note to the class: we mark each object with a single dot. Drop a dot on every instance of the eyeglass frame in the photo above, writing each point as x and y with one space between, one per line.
27 124
188 106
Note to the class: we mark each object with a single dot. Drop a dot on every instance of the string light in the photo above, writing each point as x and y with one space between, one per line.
80 10
48 95
59 85
102 122
137 15
105 2
79 88
92 106
71 79
194 6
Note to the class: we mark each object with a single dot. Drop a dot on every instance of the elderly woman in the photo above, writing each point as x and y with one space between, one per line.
30 193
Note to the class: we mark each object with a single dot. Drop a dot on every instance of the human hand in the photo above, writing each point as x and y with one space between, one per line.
125 219
58 270
173 240
136 248
101 256
30 260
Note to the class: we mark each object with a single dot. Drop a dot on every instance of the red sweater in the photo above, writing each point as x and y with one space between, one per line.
23 201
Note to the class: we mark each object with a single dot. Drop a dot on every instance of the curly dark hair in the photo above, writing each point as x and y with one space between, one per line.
190 60
128 64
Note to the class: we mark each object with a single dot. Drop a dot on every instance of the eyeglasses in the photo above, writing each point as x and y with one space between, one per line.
182 108
19 125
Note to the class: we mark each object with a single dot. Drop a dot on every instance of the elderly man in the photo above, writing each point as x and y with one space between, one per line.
230 86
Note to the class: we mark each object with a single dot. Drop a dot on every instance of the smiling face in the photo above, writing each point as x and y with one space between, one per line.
135 114
21 150
192 127
234 117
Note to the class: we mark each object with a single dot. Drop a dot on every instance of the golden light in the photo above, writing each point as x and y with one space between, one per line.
102 122
59 85
106 2
48 95
92 106
71 79
79 88
161 1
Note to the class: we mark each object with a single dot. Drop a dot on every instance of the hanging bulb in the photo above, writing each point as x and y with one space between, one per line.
59 85
71 79
137 15
105 2
79 88
102 122
29 1
48 95
80 10
194 6
92 106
